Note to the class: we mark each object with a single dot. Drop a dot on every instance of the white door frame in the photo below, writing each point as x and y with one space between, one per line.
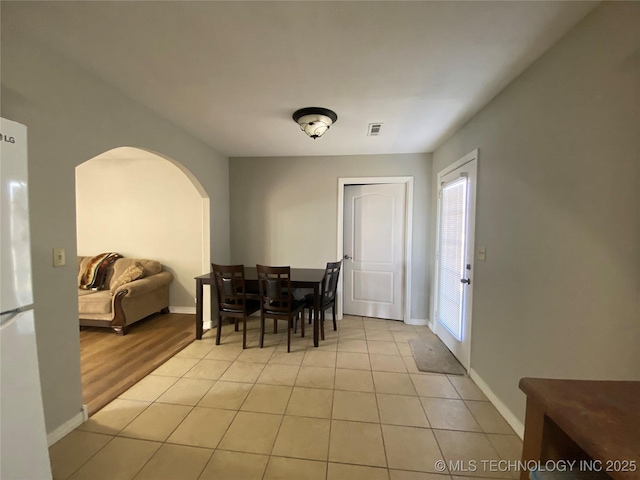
450 168
408 229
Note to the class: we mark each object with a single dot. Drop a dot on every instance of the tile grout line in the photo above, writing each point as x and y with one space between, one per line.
92 456
335 374
213 450
235 412
165 442
206 464
283 414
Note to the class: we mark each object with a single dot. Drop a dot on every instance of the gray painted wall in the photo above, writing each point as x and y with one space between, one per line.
73 116
284 210
558 209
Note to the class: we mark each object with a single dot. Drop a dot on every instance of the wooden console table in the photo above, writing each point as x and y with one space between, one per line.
594 421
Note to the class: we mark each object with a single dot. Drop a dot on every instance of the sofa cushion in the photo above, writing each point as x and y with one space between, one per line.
133 272
151 267
94 301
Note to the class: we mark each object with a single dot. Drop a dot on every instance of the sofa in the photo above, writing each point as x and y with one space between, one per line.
121 300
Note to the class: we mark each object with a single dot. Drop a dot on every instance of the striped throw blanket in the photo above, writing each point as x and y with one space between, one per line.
95 272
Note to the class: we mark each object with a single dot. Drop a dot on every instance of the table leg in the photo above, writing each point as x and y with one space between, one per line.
316 315
213 306
198 309
533 434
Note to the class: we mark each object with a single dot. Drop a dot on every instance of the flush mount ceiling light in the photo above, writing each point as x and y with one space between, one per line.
314 121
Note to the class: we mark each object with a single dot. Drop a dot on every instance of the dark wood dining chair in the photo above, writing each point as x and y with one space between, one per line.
327 295
276 300
232 298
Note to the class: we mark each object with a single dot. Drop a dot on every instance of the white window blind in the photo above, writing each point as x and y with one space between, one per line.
452 255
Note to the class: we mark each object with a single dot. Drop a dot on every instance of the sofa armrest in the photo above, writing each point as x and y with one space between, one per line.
144 285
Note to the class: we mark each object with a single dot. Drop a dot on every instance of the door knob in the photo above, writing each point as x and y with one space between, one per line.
347 257
466 280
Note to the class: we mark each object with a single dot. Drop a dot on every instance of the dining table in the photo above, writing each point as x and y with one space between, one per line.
303 278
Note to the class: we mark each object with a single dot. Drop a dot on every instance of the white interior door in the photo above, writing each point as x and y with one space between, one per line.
373 266
454 256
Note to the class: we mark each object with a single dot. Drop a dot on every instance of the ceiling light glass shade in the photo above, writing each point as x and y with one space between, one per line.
315 121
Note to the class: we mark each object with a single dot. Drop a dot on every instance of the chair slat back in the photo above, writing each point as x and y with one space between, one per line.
275 288
230 287
330 282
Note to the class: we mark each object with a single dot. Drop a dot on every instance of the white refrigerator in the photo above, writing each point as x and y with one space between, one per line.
23 438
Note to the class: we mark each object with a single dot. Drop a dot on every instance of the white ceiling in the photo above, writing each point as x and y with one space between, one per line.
232 73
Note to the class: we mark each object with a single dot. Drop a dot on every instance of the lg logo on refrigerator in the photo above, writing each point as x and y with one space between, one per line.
4 138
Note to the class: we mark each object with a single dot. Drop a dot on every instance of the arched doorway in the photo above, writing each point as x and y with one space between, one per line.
142 204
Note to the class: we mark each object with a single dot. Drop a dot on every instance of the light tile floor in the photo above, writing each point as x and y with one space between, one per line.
354 408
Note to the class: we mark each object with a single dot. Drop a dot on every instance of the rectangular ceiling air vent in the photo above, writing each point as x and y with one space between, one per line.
374 129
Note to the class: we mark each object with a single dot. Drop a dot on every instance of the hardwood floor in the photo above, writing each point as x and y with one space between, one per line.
110 364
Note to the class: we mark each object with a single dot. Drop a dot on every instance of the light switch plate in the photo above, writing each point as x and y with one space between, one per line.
59 257
481 254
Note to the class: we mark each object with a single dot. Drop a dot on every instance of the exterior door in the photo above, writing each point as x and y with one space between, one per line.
454 256
374 229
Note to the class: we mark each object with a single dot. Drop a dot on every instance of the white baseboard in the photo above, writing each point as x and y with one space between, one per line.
431 326
68 426
206 324
420 322
508 415
188 310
